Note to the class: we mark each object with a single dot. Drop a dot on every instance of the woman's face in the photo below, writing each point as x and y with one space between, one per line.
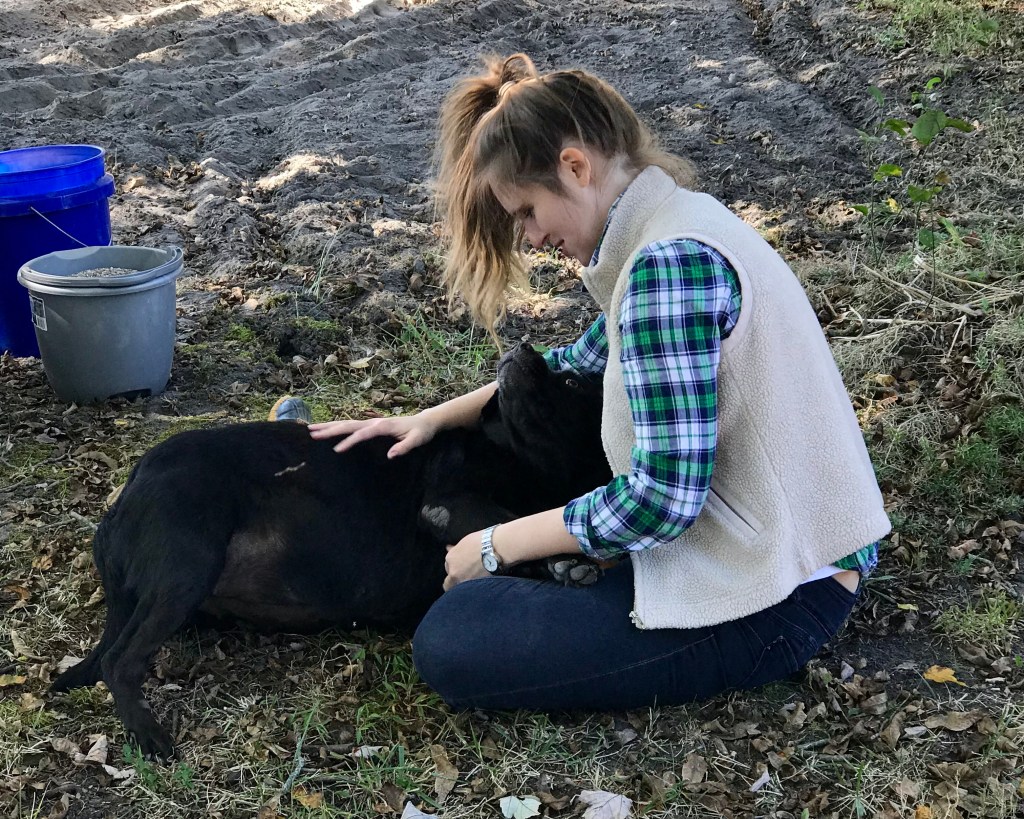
571 220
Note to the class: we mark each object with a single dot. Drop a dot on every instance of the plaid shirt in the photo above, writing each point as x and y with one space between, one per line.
683 300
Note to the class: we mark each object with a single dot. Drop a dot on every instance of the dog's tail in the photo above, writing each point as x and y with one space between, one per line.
119 609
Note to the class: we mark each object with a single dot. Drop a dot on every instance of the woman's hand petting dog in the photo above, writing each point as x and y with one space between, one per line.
410 431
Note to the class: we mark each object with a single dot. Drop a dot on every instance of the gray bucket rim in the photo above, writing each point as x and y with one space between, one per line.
108 292
32 278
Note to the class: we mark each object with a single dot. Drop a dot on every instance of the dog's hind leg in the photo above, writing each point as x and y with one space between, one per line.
184 561
90 670
124 666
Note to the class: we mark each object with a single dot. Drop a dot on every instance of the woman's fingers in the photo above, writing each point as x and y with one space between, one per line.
371 429
330 429
410 431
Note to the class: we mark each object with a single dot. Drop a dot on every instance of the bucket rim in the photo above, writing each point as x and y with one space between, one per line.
31 277
97 152
167 279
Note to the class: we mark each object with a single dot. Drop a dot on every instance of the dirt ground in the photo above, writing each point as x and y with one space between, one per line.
285 145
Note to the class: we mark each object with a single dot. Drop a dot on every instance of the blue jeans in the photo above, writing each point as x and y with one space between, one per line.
505 643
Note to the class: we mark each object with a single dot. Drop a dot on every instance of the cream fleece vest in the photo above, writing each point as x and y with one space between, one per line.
792 488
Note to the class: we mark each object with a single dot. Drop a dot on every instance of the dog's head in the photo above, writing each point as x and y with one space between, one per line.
549 420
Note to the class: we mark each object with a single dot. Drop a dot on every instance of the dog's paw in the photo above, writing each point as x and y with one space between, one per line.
436 519
574 571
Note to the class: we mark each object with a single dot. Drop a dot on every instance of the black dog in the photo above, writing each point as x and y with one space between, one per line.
262 523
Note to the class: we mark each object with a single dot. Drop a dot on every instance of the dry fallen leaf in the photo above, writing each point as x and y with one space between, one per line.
269 810
695 768
941 674
447 774
97 752
66 662
393 795
21 649
514 807
605 805
7 680
64 746
922 812
891 733
954 720
307 798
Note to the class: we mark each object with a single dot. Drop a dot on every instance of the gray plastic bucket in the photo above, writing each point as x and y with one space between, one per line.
101 337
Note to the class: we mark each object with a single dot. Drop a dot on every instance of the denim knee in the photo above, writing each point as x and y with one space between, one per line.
432 649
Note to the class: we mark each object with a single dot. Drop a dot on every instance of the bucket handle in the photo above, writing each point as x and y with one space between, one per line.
60 229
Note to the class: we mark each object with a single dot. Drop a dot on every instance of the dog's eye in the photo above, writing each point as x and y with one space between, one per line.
572 383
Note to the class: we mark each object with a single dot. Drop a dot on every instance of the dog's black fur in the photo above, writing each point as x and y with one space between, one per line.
262 523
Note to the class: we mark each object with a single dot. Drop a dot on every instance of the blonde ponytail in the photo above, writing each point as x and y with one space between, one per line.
508 125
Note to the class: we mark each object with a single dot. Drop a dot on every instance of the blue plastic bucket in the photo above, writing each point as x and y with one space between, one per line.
52 197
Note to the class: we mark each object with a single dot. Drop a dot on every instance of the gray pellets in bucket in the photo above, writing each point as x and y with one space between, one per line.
104 335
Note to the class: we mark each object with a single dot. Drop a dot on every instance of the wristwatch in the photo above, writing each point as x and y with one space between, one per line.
488 556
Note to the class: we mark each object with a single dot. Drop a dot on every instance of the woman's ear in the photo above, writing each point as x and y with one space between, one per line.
574 165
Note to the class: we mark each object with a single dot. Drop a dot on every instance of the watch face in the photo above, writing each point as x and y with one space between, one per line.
490 563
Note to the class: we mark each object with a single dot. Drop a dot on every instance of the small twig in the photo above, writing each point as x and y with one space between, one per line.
82 519
962 323
929 298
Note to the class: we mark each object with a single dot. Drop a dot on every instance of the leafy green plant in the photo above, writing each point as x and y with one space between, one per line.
909 190
146 771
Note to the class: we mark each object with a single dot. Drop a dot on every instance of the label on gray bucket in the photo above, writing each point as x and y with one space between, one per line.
38 312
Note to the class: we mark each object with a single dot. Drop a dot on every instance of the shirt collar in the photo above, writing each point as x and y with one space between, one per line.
607 221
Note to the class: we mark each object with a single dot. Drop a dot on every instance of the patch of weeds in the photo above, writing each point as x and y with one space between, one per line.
984 470
201 360
28 460
145 771
421 365
906 194
240 332
1000 355
86 698
317 325
979 476
183 777
990 622
942 27
397 697
431 348
14 719
392 766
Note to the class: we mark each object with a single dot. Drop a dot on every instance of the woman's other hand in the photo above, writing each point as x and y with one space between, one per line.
410 431
463 561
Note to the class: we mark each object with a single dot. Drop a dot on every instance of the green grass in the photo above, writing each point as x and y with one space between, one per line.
942 27
991 622
420 365
240 332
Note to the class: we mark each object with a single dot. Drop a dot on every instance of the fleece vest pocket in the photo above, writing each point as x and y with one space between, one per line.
727 511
